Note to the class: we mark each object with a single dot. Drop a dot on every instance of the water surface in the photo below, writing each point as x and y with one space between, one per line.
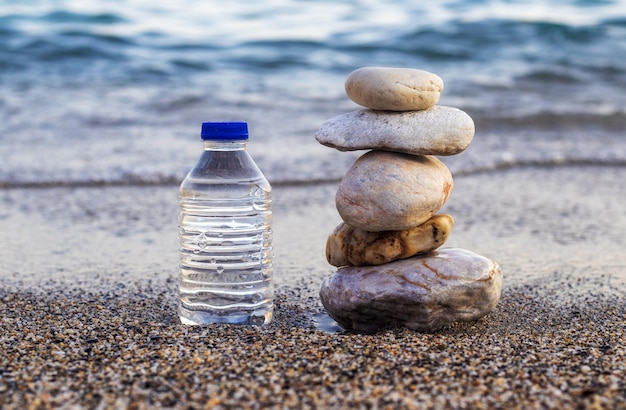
114 92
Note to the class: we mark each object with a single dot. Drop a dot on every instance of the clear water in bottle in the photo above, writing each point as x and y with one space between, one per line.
225 234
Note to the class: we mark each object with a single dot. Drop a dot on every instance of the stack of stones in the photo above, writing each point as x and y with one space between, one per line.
391 272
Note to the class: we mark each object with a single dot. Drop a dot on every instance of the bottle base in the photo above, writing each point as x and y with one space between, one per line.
258 317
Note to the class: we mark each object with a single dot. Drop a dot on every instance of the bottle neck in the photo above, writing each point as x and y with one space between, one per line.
224 145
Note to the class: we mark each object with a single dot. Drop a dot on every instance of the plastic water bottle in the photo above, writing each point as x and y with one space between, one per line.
225 233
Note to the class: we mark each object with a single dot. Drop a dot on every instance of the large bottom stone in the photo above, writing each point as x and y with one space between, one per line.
421 293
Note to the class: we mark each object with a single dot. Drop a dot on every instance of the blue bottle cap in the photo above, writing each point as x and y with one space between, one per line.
233 130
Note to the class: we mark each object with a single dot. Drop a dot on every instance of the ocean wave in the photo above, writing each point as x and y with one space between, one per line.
618 21
137 180
494 40
552 75
551 120
66 16
543 163
49 50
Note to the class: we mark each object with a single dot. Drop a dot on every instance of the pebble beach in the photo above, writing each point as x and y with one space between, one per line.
103 332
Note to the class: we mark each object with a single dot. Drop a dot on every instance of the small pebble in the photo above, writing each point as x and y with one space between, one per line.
395 89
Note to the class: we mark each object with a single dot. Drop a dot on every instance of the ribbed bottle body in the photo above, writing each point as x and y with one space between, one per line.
225 242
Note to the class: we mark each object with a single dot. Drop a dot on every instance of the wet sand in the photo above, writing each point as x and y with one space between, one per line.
87 305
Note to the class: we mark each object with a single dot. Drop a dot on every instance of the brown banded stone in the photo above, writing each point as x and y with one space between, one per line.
349 246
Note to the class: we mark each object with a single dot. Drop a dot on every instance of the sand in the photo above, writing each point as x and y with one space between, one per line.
87 305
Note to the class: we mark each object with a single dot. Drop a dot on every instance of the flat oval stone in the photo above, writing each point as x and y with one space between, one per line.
421 293
348 246
390 191
395 89
440 130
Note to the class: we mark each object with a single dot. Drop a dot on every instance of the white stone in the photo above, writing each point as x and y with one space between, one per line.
389 191
440 130
396 89
421 293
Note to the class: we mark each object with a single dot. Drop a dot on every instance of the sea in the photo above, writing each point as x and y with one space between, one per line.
98 93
